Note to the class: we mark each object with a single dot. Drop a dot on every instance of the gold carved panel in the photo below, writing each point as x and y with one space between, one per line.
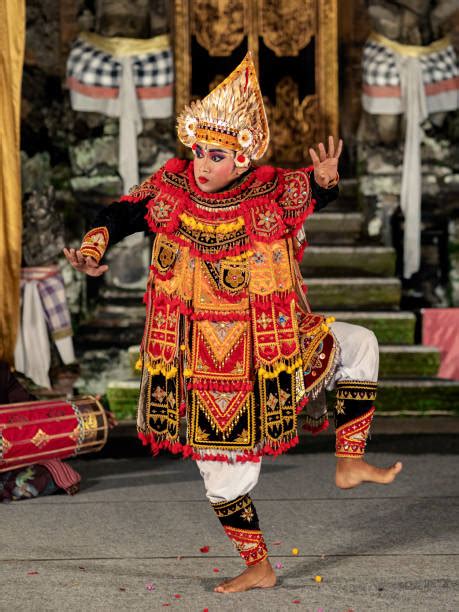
219 26
287 26
292 124
286 29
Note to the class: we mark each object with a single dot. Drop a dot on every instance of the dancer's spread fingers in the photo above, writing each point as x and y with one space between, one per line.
322 152
331 146
340 148
315 159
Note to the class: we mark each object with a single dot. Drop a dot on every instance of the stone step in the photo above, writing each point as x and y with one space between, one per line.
333 228
389 327
408 361
353 293
122 397
418 396
348 261
403 397
348 197
114 296
111 325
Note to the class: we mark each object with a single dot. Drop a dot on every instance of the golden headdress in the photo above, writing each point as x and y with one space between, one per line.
231 116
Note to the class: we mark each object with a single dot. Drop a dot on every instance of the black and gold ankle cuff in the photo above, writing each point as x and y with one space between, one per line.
353 415
240 521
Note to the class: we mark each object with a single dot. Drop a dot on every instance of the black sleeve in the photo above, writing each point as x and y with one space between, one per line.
122 219
322 196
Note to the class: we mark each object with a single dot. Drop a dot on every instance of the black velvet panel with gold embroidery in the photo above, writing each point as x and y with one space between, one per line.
353 399
278 396
243 432
163 416
239 513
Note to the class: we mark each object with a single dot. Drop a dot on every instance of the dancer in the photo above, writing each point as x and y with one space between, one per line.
229 339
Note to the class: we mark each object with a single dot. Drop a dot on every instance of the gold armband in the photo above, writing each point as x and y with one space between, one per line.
95 243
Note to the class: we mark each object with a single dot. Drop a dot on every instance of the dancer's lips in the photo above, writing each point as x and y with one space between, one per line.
202 179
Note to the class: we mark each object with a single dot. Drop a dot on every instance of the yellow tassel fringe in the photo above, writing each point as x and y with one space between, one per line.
282 367
223 228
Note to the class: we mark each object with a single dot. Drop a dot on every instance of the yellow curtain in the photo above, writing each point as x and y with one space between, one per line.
12 43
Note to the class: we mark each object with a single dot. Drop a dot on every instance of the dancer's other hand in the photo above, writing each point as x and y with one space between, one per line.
88 265
326 163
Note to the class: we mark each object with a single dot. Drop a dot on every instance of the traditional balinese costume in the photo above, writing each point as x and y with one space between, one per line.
229 339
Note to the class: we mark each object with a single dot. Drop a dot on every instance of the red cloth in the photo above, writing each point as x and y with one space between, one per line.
63 475
440 328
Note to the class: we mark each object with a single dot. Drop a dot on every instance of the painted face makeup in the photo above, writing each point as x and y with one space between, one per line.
214 167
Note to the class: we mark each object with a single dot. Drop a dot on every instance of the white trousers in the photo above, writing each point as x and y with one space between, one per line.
359 360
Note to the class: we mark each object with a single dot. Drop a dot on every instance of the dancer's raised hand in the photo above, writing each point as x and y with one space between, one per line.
326 163
88 265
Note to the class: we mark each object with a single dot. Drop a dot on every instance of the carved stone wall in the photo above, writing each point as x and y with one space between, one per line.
379 150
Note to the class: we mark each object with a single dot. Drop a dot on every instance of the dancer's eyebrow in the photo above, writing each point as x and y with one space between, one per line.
217 151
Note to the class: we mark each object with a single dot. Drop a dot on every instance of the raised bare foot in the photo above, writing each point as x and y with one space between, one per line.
353 472
259 576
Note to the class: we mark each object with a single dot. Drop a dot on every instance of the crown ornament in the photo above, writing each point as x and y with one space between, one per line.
231 116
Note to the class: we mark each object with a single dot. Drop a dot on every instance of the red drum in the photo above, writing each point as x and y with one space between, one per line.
48 429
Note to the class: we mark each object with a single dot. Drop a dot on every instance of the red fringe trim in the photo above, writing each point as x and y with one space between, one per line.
315 430
188 452
176 165
299 254
228 297
279 449
216 385
278 297
160 299
302 404
220 316
265 174
131 199
169 274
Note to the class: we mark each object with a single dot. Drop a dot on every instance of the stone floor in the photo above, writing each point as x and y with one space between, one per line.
131 539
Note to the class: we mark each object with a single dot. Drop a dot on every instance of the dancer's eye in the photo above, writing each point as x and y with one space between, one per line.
216 157
199 152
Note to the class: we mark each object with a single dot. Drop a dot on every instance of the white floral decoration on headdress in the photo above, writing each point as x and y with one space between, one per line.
245 138
190 126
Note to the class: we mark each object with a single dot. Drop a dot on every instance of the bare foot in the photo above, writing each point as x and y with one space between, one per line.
353 472
259 576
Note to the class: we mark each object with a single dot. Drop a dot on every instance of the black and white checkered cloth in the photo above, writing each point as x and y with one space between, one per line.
96 68
52 294
380 65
